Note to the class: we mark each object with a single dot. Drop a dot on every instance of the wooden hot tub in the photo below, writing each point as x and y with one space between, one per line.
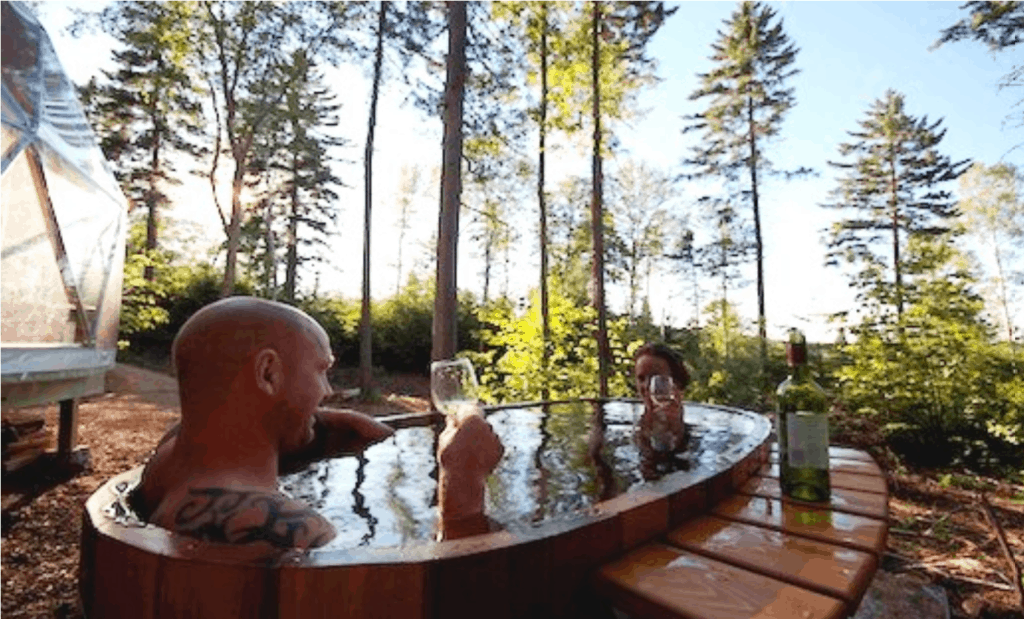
133 570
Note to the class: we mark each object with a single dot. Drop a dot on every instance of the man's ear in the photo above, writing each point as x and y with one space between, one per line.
269 372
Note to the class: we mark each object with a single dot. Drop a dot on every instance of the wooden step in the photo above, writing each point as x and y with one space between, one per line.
870 504
657 581
831 570
847 465
839 479
822 524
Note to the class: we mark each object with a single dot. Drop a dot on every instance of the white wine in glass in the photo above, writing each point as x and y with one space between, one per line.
453 386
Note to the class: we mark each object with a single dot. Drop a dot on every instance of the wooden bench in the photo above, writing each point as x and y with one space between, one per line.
758 555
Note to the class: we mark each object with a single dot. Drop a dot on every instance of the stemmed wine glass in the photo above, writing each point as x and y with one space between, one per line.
453 386
663 394
662 390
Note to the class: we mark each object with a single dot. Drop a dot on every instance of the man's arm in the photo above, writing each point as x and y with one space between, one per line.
468 450
336 433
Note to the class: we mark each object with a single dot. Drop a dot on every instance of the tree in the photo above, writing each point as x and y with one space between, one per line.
998 25
748 101
721 257
147 111
640 195
408 187
445 329
893 187
303 163
992 203
629 26
683 255
365 332
490 200
928 373
247 87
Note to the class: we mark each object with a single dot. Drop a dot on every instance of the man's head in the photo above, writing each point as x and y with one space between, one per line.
270 356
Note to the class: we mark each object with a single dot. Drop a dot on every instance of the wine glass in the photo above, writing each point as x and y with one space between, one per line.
663 394
662 390
453 385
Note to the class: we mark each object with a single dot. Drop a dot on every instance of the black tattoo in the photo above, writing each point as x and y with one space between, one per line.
219 515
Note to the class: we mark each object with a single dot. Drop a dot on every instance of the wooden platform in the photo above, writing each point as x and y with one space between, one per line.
755 554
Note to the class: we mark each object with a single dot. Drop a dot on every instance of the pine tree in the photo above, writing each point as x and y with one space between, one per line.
748 101
893 187
147 111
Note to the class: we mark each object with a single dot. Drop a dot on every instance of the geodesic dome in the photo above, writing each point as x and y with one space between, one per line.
63 228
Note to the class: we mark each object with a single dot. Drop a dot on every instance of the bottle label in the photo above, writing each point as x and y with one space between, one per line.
807 439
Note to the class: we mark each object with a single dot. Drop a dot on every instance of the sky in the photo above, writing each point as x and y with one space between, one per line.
850 54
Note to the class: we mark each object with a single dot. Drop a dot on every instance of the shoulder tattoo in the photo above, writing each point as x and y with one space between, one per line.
243 517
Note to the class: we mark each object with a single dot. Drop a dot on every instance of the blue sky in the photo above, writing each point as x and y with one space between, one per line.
850 53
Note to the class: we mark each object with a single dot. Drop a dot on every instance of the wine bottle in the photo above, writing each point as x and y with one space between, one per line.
802 428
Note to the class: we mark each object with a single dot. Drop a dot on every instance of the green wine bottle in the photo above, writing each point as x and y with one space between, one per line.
802 428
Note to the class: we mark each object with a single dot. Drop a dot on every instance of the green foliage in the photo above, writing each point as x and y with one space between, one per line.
511 366
943 393
340 319
727 363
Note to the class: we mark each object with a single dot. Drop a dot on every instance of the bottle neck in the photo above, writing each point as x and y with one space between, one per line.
796 356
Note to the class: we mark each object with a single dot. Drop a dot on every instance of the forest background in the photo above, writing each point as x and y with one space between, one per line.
917 324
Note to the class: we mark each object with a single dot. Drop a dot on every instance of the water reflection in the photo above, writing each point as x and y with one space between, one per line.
559 459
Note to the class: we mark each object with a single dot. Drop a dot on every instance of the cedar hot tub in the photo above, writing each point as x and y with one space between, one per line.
572 492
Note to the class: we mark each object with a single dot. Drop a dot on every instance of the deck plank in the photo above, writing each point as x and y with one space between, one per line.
847 465
839 479
835 452
828 569
657 581
870 504
832 527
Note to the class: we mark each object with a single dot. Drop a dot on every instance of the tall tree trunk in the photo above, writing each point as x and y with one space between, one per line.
234 230
597 212
152 197
445 333
488 256
365 329
271 260
1003 297
894 211
762 321
542 200
292 260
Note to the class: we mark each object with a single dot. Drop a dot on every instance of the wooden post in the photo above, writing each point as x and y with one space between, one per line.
67 432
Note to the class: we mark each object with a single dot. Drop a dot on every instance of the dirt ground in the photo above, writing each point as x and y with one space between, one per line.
939 531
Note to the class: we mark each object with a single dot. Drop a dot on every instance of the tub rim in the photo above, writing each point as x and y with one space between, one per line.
653 500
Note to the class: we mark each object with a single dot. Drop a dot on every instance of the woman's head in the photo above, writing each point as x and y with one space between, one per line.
652 359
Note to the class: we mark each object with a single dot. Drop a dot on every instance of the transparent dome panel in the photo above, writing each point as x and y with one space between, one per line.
90 223
36 309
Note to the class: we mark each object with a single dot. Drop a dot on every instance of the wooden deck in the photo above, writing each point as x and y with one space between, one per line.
758 555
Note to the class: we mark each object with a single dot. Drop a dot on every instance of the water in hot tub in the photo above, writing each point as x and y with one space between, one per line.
557 462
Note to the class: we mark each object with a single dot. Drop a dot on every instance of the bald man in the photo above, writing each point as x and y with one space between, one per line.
251 374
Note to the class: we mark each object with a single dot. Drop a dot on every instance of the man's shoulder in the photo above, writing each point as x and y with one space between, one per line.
240 515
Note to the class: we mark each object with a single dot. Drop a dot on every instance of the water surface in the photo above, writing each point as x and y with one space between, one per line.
559 459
